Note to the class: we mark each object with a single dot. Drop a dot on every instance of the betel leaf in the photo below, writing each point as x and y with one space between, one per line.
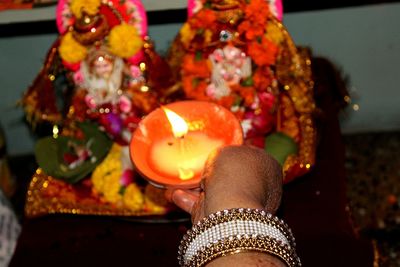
280 146
49 153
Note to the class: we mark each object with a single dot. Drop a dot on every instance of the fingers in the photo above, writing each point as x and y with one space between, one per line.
184 199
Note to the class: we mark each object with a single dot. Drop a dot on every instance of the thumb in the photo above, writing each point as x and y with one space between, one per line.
184 199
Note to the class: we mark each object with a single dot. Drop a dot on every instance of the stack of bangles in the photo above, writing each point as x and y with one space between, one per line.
237 230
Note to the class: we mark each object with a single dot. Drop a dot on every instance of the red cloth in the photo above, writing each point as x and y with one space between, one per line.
314 206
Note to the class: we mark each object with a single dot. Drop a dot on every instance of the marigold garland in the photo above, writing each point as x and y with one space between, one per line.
252 31
259 46
256 15
70 50
106 176
133 197
124 40
90 7
263 53
257 11
203 19
106 179
200 67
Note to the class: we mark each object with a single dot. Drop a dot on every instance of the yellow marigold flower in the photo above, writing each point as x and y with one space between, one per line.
70 50
124 41
133 197
112 186
275 33
106 176
97 180
91 7
186 34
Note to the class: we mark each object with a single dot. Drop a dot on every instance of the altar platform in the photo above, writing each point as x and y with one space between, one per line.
315 206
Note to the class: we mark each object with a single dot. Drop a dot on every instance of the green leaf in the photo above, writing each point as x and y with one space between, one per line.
248 82
49 153
198 56
280 146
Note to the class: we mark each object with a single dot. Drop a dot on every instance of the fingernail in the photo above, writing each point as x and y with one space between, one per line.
176 195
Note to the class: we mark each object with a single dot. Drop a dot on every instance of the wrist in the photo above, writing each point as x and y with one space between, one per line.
238 231
238 199
250 258
231 202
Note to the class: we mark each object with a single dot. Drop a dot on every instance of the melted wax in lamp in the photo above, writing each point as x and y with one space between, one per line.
184 153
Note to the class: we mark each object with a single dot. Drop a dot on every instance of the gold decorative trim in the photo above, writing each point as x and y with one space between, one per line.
47 195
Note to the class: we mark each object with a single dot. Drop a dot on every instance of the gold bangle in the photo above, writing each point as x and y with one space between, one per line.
236 230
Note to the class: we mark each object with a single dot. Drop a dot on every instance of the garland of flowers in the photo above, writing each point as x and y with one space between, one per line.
70 50
123 39
115 186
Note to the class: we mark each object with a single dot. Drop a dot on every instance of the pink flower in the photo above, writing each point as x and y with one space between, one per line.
218 55
263 123
136 73
89 100
125 104
267 100
211 90
260 123
78 77
127 177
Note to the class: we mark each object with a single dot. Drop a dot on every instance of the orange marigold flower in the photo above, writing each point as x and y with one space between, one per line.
262 79
194 87
256 15
199 68
194 73
251 30
257 11
247 93
203 19
263 53
226 101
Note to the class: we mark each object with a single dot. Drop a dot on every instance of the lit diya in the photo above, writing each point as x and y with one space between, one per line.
172 143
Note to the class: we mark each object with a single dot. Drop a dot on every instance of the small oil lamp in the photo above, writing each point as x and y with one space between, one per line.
172 143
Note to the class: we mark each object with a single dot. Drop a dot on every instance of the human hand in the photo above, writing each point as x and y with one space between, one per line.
233 177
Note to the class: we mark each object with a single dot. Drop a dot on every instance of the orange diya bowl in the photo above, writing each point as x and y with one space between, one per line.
168 156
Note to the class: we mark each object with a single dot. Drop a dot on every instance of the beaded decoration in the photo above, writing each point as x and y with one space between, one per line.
235 230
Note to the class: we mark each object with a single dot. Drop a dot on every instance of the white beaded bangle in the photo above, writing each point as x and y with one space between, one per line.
235 230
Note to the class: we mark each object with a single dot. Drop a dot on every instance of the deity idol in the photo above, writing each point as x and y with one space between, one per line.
111 77
237 53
